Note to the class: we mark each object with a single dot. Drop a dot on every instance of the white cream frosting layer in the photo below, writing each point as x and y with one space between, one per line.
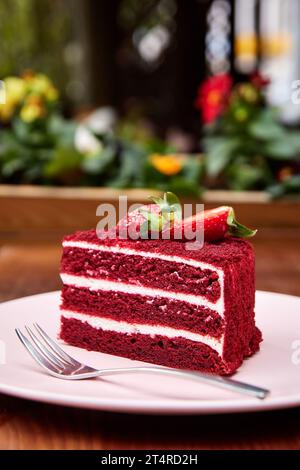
150 330
103 284
122 287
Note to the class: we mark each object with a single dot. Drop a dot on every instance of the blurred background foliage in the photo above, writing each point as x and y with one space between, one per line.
38 145
124 75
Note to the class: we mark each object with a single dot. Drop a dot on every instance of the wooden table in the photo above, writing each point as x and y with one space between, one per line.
28 267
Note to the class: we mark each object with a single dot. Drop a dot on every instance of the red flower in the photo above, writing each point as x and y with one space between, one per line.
213 97
259 81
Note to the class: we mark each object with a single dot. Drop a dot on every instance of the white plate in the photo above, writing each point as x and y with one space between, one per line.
273 367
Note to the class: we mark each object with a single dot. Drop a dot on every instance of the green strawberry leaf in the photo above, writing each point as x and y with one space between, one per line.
157 200
144 230
236 229
170 210
171 199
154 221
170 206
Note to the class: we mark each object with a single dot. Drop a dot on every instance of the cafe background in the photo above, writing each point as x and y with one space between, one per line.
127 97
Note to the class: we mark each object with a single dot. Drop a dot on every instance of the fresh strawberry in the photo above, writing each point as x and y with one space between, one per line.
135 223
164 220
150 218
216 223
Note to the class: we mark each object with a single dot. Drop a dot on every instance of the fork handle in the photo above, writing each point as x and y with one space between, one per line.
222 382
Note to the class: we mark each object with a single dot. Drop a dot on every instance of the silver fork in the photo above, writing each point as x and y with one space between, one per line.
51 357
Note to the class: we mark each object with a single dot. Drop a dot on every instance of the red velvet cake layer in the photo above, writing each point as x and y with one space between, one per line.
234 324
143 309
136 270
177 352
219 254
239 300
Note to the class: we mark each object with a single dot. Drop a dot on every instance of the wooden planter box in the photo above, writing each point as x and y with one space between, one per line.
29 210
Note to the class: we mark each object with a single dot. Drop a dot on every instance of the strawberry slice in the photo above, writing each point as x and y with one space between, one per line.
135 223
163 219
217 223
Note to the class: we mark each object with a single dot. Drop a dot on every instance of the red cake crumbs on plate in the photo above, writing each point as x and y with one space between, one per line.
155 301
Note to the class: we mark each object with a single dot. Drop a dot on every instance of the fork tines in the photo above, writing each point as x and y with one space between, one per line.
46 351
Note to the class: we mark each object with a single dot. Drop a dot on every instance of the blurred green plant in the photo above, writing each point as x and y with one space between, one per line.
39 146
245 144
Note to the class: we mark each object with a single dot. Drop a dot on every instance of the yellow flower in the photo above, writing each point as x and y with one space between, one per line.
6 111
30 92
34 99
52 94
166 164
32 112
16 89
40 84
248 92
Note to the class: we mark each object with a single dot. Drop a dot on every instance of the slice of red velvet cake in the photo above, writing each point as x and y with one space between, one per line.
155 301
